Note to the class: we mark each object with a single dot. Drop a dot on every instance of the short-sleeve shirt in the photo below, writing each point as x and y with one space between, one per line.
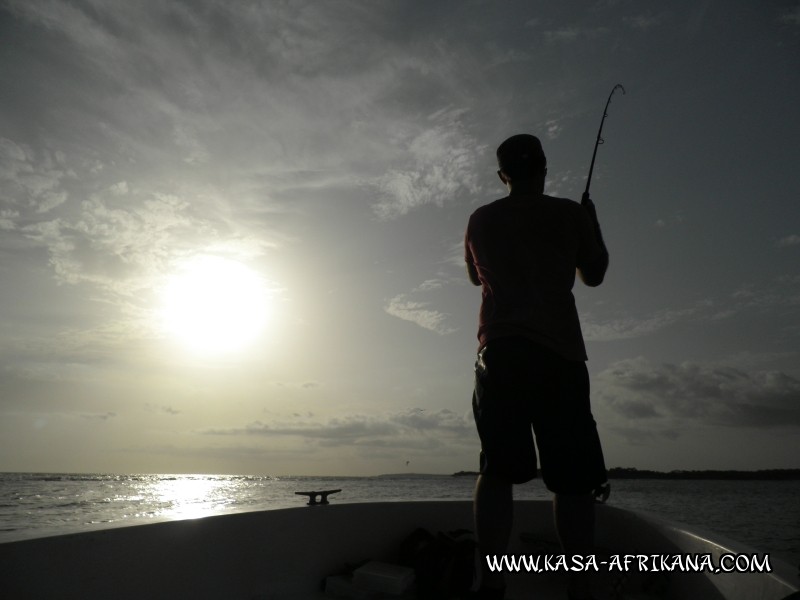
525 249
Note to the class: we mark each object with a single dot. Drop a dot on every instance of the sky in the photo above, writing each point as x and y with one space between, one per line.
231 233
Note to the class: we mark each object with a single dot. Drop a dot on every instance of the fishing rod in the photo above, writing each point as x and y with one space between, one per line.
600 140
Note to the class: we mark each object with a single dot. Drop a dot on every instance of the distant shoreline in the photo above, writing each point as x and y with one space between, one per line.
631 473
613 473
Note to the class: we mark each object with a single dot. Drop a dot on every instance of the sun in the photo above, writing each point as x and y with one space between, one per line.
214 305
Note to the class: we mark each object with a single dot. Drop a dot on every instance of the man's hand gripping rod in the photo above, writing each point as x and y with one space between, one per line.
585 197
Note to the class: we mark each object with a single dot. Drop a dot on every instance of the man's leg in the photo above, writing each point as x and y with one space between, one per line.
574 519
493 507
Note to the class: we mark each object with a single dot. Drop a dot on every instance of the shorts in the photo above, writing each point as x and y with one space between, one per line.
522 389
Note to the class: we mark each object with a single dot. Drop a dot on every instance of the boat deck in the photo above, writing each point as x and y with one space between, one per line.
287 554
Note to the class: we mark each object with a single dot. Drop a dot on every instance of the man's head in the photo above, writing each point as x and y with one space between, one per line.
521 158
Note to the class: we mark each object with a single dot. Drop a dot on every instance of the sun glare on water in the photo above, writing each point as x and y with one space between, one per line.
214 305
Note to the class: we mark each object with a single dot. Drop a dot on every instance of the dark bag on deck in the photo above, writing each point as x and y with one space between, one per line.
443 564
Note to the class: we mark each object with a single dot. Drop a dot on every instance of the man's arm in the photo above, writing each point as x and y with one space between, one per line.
472 272
592 265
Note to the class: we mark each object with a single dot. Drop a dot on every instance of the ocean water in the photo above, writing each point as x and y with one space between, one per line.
762 514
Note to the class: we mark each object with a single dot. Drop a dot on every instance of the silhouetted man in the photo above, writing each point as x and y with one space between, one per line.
524 251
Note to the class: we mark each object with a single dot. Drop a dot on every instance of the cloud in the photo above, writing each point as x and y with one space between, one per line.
98 416
415 306
454 257
182 150
42 420
8 219
792 16
410 429
667 398
564 34
781 292
418 312
305 100
625 328
118 246
572 33
124 240
784 291
195 152
119 189
553 128
441 166
166 410
789 240
559 182
31 183
672 220
642 22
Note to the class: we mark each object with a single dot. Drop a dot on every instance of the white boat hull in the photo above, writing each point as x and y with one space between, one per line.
286 554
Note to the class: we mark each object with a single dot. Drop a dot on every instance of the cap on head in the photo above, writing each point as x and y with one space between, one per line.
521 157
